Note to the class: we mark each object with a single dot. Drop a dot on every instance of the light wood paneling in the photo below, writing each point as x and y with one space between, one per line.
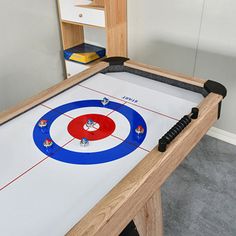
94 4
123 203
72 32
98 2
72 35
116 27
81 24
149 219
43 96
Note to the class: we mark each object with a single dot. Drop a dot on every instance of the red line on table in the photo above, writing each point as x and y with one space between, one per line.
159 113
117 109
130 143
170 117
99 92
12 181
66 144
114 136
55 109
35 165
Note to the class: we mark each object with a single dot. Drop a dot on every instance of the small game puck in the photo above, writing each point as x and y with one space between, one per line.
48 143
105 101
84 142
90 123
43 123
139 130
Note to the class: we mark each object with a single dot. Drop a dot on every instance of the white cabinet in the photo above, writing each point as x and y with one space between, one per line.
88 16
82 15
73 68
67 10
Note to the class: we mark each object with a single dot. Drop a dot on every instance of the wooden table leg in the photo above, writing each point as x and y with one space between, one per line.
149 219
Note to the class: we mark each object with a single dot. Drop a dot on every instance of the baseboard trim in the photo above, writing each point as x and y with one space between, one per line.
222 135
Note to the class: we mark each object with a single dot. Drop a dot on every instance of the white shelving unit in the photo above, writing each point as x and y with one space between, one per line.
73 68
101 23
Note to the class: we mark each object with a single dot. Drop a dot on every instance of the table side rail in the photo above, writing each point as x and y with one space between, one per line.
124 201
158 71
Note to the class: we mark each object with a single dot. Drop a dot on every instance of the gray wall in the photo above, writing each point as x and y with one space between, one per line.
196 38
30 58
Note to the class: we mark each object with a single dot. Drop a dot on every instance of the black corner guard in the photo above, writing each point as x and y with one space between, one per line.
116 61
215 87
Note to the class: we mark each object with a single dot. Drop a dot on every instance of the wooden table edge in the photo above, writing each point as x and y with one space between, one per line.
158 71
126 199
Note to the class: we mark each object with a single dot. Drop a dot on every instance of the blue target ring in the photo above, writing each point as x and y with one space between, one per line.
131 143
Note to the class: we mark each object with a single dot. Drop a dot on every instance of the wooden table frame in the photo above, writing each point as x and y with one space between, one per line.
137 196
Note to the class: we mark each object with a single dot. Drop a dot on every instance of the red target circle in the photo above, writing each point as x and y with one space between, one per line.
103 127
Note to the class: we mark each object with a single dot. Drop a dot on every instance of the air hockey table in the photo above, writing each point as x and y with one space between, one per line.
90 154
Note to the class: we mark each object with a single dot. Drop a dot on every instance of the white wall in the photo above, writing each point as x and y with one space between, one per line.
216 58
165 33
196 38
30 58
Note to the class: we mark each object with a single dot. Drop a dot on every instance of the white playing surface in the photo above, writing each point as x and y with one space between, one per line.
42 196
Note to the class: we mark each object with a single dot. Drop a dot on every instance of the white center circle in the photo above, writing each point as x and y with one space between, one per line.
62 137
92 128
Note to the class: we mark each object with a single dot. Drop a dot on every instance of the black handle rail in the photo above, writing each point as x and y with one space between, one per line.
176 129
